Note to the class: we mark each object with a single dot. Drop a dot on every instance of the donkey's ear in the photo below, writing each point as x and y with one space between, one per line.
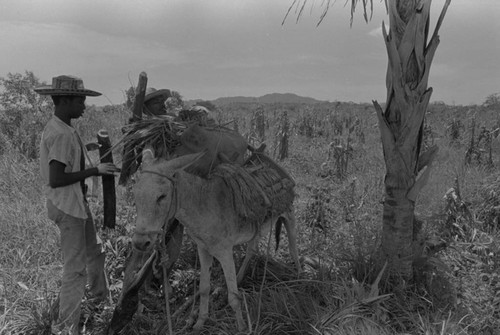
147 156
183 162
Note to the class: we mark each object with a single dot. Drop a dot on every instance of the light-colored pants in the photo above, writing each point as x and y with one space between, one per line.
83 261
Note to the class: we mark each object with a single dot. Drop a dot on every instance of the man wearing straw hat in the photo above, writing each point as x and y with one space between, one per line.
63 172
154 101
155 105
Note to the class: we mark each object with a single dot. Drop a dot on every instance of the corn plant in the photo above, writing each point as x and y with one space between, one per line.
479 150
282 137
454 129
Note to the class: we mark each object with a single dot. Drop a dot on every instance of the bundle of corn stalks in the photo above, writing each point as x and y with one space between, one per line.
161 133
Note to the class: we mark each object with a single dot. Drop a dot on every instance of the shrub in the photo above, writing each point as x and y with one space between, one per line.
23 113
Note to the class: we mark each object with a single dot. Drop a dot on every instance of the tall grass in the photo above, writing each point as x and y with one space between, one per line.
29 253
338 292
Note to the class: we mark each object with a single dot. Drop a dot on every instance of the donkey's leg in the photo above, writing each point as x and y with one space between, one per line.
205 264
251 249
227 261
292 237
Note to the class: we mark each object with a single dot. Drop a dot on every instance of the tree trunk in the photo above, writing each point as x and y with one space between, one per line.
401 125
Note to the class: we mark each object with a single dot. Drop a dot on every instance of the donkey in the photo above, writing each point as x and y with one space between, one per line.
204 207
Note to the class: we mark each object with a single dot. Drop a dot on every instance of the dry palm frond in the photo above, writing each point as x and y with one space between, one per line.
356 315
161 133
278 301
326 4
275 272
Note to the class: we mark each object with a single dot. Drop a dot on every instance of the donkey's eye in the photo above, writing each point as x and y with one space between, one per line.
161 198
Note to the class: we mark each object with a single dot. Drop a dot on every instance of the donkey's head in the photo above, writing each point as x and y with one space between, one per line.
155 196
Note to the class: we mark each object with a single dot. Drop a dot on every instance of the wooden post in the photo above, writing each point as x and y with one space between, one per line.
95 180
129 153
108 182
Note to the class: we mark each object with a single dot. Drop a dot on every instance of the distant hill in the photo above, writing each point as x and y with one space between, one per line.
268 98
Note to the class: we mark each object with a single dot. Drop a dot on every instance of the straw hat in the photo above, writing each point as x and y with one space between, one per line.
153 93
201 109
66 85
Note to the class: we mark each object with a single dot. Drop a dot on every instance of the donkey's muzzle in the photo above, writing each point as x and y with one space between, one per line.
143 241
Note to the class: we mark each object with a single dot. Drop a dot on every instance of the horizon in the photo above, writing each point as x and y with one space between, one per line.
382 103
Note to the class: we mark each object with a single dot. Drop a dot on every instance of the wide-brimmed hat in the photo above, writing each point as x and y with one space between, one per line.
66 85
201 109
153 93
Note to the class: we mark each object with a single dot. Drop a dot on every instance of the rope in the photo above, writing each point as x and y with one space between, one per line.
160 174
219 141
162 247
163 261
150 232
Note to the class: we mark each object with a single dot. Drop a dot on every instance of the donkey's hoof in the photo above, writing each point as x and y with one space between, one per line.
242 328
198 327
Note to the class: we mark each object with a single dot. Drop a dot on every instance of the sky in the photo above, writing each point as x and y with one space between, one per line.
206 49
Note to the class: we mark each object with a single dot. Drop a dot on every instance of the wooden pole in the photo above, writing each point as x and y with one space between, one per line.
140 93
129 153
108 182
95 180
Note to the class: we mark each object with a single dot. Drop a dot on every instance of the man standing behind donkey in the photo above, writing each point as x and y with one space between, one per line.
63 171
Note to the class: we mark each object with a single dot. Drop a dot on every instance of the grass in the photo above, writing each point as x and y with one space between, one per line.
336 294
29 248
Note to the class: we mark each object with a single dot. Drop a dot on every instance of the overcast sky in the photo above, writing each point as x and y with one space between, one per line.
206 49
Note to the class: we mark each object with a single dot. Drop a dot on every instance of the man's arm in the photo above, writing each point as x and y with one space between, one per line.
59 178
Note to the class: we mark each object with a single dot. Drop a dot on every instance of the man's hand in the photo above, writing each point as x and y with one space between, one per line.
107 169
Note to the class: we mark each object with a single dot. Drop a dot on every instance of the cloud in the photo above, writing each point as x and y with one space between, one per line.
442 70
104 61
72 47
377 32
218 47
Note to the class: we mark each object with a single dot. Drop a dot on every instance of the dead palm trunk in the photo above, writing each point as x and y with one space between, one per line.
401 124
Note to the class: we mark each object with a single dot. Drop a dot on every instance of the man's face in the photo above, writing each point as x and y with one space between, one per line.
75 106
156 106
